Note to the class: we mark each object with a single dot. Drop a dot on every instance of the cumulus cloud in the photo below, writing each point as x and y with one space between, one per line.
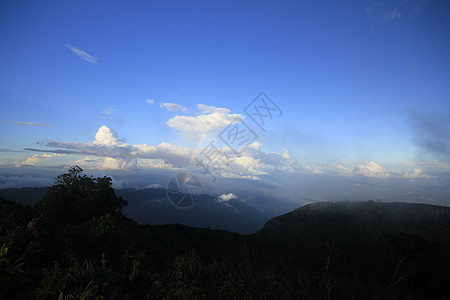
210 118
252 162
108 151
367 169
417 173
30 161
312 170
151 101
107 136
173 107
371 169
35 159
82 54
226 197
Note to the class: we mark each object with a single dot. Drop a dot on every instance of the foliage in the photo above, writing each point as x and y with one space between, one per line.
76 198
10 270
312 255
53 283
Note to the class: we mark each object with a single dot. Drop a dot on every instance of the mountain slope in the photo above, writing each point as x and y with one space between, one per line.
362 220
152 206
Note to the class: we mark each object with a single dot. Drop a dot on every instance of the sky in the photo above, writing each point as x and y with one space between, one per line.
353 90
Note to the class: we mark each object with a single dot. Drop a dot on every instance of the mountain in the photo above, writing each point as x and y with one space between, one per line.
363 250
345 250
24 196
362 221
152 206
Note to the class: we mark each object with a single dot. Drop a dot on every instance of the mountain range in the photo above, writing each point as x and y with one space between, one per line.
151 206
324 250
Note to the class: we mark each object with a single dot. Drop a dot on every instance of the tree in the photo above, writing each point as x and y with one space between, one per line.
76 198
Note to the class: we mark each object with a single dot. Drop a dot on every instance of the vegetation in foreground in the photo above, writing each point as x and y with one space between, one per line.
76 244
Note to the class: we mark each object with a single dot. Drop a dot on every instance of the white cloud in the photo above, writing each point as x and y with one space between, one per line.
210 118
311 170
82 54
151 101
371 169
226 197
154 186
35 159
108 151
393 14
252 162
173 107
30 161
368 169
417 173
117 163
343 170
107 136
205 109
153 163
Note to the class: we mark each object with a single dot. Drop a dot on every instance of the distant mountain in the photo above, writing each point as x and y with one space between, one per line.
152 206
361 221
24 196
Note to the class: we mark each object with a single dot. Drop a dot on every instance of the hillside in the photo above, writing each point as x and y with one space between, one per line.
362 221
76 244
151 206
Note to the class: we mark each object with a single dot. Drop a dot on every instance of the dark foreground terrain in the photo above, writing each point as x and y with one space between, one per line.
76 244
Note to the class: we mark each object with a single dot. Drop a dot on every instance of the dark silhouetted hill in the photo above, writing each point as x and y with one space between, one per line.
362 221
152 206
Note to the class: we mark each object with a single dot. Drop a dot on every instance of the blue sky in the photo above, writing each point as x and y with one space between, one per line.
364 86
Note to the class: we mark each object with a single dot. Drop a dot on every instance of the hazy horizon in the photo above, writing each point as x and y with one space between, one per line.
355 101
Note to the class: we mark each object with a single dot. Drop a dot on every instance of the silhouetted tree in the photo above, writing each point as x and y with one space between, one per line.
76 198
